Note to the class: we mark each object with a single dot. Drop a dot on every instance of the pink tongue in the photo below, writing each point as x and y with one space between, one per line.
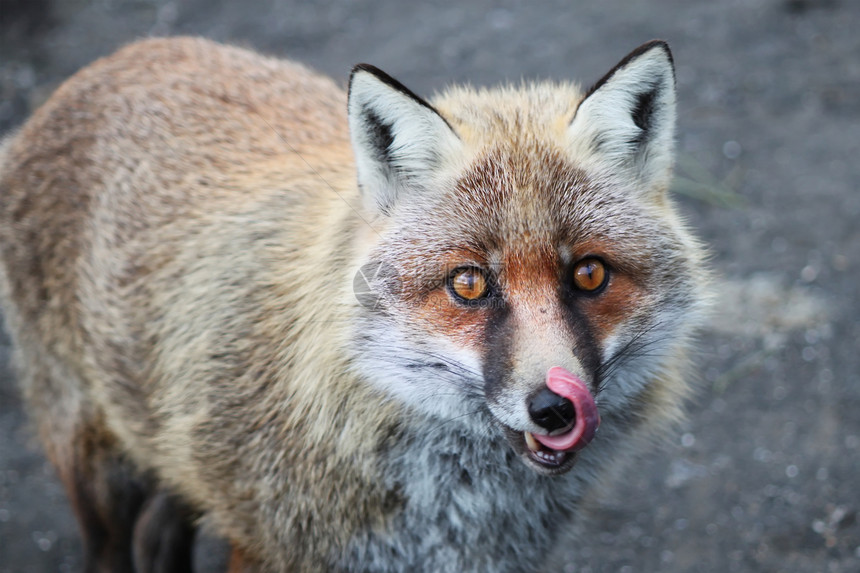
569 386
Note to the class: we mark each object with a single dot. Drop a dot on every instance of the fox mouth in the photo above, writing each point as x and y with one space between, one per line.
556 453
546 457
539 457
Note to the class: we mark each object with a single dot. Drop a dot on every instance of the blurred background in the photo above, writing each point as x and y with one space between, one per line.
764 476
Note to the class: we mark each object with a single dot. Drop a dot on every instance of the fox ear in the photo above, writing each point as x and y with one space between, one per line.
626 121
399 140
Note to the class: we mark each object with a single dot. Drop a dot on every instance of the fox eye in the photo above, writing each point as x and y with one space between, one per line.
468 284
589 275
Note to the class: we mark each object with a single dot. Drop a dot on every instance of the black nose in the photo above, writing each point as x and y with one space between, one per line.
551 411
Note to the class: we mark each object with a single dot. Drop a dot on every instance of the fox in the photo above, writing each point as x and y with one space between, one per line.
347 330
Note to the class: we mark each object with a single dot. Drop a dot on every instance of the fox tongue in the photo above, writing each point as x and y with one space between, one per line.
569 386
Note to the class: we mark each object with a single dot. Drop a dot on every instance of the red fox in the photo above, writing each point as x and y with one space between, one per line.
353 332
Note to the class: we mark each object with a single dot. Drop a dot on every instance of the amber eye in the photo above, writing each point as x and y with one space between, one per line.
469 284
589 275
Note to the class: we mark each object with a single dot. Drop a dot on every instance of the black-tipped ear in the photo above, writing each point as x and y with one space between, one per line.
399 140
626 121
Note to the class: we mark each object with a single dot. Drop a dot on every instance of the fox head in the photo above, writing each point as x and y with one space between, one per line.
527 261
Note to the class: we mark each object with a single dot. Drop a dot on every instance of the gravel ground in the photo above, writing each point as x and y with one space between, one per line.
765 474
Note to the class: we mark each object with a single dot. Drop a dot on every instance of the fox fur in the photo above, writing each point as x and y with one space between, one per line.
181 229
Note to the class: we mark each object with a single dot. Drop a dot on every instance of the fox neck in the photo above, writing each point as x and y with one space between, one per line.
468 488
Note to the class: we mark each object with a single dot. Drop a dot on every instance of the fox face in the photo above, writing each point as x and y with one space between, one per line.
533 279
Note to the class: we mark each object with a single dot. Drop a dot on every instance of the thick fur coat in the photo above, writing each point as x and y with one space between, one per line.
182 229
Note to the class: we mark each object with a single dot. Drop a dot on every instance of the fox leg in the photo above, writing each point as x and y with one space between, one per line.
127 524
163 537
106 495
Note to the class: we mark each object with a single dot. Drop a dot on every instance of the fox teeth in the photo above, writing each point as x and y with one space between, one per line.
531 442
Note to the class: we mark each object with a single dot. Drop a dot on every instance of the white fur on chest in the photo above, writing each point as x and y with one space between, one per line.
469 505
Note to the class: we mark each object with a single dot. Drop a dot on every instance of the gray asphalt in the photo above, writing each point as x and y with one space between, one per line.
764 476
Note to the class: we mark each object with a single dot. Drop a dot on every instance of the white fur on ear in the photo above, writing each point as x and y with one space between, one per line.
400 141
626 122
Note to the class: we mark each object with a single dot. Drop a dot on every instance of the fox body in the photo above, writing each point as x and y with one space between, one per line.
183 226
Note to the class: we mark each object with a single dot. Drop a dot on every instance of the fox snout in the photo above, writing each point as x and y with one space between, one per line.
565 408
551 423
551 411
